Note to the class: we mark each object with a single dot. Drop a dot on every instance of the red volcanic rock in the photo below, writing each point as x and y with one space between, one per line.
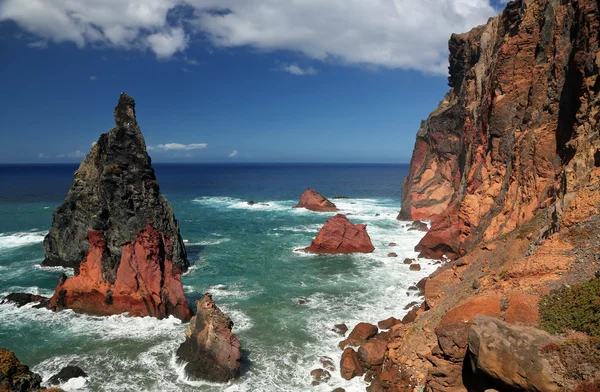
339 236
314 201
147 282
350 366
388 323
210 348
372 352
360 333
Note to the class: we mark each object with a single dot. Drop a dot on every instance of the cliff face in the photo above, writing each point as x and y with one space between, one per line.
115 191
516 134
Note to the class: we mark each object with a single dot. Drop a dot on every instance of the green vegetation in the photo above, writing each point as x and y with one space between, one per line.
574 308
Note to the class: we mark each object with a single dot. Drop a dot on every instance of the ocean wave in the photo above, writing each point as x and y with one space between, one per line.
16 240
54 269
208 242
235 203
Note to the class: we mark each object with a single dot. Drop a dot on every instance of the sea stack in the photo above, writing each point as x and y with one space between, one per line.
340 236
114 191
210 348
314 201
118 232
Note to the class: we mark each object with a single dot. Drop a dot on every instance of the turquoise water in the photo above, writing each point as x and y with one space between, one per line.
246 256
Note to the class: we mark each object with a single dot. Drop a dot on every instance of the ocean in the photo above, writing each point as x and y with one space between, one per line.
283 302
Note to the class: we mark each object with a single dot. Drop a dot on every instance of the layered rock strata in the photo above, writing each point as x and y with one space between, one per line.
147 282
518 131
340 236
314 201
115 191
210 349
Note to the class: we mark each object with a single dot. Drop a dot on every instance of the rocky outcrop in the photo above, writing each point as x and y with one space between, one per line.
314 201
16 377
210 348
115 192
146 281
518 131
22 299
65 374
340 236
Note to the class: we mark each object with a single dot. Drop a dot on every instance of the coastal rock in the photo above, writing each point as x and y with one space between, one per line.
513 356
340 329
372 352
320 376
418 226
22 299
66 374
339 236
388 323
146 283
350 366
14 376
392 254
210 348
115 191
314 201
360 333
415 267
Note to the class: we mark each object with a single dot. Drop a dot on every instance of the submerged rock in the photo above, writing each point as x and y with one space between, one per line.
210 348
146 283
339 236
115 191
314 201
66 374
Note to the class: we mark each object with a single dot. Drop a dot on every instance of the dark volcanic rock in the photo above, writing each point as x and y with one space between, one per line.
14 376
210 348
114 191
66 374
22 299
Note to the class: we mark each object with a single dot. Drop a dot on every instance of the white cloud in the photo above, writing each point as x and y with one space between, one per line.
93 77
38 44
42 156
74 154
177 147
233 154
386 33
294 69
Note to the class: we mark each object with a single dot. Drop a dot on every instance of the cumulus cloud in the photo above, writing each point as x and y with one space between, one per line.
232 154
384 33
72 155
294 69
177 147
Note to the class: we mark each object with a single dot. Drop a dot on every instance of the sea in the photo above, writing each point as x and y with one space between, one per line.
283 302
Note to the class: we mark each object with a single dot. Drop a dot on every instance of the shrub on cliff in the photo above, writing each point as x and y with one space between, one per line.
574 308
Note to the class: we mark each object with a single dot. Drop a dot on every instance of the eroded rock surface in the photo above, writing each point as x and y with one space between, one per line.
210 348
339 236
314 201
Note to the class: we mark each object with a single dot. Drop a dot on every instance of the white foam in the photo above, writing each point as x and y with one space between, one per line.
55 269
235 203
16 240
241 321
209 242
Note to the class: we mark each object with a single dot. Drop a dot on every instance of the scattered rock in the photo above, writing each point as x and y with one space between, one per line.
388 323
314 201
360 333
303 301
22 299
340 329
320 376
418 225
66 374
408 261
350 366
339 390
339 236
377 214
415 267
251 203
210 348
392 244
410 305
372 352
327 363
392 254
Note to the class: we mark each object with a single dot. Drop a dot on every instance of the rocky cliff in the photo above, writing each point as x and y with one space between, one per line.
507 170
114 191
518 131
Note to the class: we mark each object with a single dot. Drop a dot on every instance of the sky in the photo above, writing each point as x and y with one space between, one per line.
227 80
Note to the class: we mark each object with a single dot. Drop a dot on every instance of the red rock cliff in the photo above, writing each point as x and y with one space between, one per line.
147 282
517 132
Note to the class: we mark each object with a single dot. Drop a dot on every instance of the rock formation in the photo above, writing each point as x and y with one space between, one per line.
506 169
146 281
210 348
339 236
114 191
16 377
517 132
314 201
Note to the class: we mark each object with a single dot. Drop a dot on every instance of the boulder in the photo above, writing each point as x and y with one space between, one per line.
418 226
327 363
210 348
513 355
360 333
388 323
372 352
146 282
408 261
115 191
66 374
340 329
415 267
14 376
340 236
392 254
350 366
320 376
22 299
314 201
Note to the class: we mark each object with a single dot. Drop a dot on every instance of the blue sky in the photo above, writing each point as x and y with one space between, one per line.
302 81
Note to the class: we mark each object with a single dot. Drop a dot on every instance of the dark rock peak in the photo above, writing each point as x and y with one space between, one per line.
115 191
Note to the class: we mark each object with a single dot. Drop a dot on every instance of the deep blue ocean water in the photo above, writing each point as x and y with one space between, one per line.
246 256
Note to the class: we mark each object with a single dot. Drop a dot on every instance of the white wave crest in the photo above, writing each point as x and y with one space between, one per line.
17 240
